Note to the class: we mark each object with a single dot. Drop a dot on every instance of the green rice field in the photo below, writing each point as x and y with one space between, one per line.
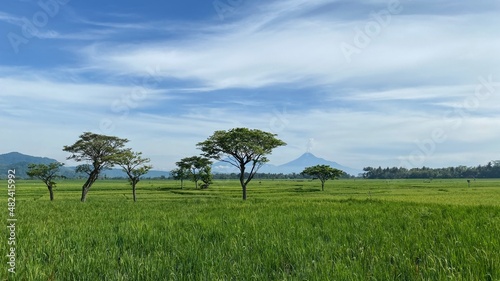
287 230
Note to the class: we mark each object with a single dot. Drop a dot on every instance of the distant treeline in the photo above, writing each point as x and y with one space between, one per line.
235 176
265 176
491 170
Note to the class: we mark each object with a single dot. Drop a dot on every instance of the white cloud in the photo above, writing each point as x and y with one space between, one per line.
253 53
11 19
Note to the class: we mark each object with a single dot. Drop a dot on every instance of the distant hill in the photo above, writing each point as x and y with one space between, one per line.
16 157
20 162
118 173
295 166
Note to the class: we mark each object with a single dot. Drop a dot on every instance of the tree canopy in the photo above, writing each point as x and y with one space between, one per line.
241 147
100 151
197 168
323 173
135 166
46 173
180 174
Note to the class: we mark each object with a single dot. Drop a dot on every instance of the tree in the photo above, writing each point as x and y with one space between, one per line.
239 147
196 167
206 177
323 173
135 166
180 174
46 173
102 151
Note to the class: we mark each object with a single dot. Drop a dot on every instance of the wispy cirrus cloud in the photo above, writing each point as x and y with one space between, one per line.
11 19
251 54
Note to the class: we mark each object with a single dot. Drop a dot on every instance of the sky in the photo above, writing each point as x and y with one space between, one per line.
363 83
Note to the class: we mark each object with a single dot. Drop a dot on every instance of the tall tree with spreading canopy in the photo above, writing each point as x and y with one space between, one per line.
135 166
196 167
241 147
46 173
323 173
101 151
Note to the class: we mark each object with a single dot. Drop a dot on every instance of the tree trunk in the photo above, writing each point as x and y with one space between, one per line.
242 181
133 192
322 185
86 187
182 184
51 193
244 192
85 190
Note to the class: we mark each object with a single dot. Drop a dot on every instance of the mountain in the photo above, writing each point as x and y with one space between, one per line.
309 159
16 157
20 162
295 166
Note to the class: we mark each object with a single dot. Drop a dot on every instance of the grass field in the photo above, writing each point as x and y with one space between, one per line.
287 230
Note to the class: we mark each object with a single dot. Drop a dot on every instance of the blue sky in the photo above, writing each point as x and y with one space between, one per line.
362 83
